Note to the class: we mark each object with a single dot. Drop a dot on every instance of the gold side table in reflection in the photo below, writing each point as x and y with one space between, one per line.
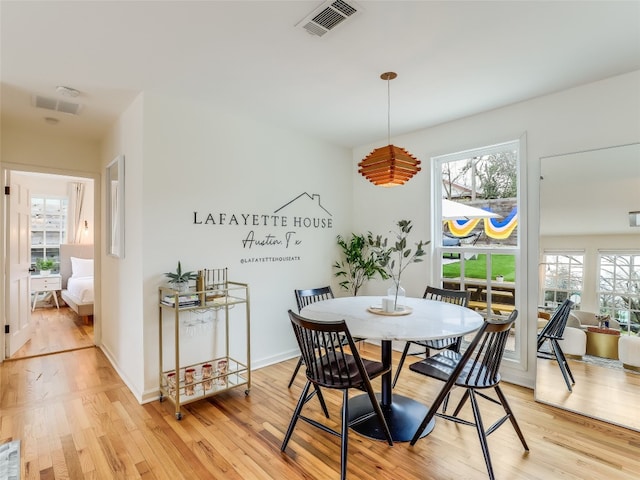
602 342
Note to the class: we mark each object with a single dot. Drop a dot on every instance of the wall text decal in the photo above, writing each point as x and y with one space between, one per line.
304 212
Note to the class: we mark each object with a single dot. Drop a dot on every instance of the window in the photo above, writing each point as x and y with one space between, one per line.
619 288
475 227
48 226
563 278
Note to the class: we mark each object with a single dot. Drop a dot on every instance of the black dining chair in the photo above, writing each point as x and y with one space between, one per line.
304 298
475 370
458 297
329 365
550 335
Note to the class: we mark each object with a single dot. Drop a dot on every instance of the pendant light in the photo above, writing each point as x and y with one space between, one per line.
389 166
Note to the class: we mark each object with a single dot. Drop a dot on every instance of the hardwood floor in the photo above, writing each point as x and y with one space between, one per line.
76 419
605 393
56 330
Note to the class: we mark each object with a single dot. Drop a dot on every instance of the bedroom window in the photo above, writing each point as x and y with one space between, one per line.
48 226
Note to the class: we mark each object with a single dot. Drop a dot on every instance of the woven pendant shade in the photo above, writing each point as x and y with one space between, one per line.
389 166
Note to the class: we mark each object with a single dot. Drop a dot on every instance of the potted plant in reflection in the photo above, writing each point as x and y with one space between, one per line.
359 263
395 256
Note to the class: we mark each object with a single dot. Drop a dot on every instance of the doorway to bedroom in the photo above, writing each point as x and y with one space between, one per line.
49 219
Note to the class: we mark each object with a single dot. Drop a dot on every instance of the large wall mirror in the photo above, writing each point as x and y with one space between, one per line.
590 254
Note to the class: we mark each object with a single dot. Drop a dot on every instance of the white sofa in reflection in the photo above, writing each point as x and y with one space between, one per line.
584 320
629 351
574 342
574 339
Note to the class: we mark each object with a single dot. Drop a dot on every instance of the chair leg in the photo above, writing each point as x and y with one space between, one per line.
512 417
378 410
344 434
320 397
481 435
296 414
322 402
445 404
295 372
400 364
562 363
435 405
461 403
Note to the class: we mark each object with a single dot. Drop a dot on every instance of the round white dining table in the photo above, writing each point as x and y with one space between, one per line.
427 320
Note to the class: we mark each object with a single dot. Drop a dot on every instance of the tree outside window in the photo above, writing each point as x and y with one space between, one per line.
563 278
48 226
619 289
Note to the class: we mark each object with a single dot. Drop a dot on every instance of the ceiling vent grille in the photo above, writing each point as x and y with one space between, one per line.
327 16
56 105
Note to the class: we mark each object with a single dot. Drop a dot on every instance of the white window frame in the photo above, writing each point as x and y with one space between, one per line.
628 293
570 292
63 228
518 357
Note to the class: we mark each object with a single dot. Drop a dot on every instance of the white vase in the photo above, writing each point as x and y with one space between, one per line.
398 295
45 273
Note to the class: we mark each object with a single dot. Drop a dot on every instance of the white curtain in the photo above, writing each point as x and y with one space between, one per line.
76 203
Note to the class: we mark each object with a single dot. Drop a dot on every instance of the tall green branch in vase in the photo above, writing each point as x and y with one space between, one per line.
359 263
394 256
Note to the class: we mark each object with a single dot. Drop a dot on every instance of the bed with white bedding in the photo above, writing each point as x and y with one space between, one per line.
81 288
76 269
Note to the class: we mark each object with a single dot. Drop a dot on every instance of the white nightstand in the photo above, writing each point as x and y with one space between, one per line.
46 284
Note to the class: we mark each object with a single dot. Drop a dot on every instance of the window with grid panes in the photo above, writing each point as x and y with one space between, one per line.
48 226
563 277
619 288
486 178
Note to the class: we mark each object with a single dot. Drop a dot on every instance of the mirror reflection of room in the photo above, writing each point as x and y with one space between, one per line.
590 257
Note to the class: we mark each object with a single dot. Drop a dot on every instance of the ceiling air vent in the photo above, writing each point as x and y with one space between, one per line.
56 105
327 16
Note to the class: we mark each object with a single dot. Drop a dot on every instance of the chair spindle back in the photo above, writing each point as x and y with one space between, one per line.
323 346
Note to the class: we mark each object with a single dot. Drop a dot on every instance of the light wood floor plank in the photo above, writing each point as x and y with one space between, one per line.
603 392
77 420
56 330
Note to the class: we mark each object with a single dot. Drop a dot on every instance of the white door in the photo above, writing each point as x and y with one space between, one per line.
18 244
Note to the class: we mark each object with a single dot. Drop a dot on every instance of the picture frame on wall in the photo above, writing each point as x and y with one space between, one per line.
114 188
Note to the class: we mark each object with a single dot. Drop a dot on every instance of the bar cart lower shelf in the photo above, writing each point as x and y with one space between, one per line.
229 374
182 384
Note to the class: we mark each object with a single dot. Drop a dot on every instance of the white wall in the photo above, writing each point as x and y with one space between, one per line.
596 115
51 153
123 333
182 158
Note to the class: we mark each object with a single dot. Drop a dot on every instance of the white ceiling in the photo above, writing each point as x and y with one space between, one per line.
453 59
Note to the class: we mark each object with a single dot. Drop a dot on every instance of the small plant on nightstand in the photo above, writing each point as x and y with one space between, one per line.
45 265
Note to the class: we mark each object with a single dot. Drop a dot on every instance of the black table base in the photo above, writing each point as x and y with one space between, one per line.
403 417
